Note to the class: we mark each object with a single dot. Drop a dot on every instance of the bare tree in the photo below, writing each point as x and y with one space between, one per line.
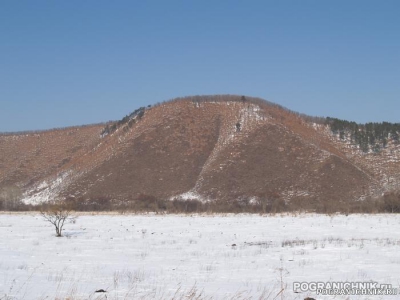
57 215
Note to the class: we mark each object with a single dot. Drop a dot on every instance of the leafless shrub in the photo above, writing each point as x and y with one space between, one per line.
57 215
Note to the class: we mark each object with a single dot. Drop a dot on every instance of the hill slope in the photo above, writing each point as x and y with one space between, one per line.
212 148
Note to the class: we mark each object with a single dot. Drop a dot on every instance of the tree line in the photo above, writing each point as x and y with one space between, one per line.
369 136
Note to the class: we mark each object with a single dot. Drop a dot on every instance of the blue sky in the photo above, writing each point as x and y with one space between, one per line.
68 63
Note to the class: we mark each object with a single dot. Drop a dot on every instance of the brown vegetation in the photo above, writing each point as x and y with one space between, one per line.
233 153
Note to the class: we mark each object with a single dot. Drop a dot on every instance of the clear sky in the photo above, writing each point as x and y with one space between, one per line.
77 62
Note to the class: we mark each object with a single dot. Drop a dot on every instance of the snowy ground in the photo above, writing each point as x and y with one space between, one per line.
165 257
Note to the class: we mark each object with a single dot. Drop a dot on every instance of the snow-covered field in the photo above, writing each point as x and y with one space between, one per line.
175 256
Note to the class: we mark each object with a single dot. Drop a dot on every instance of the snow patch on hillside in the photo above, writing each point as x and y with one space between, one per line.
190 195
46 190
251 113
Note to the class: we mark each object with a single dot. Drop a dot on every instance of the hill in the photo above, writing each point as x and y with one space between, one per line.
221 148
